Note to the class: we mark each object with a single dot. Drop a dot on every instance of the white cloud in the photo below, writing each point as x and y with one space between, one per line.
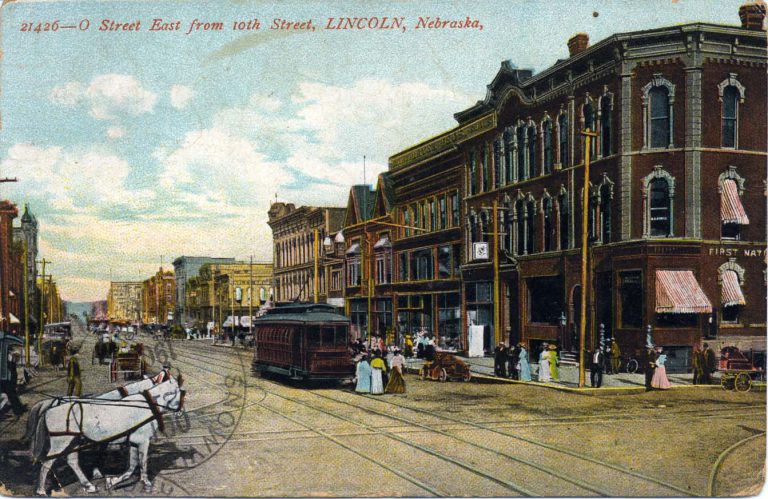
115 132
180 96
107 96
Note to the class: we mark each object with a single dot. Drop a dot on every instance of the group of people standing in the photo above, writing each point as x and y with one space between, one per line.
376 377
512 362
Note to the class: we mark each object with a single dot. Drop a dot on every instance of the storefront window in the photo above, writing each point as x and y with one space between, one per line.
455 209
403 266
444 262
546 299
359 315
449 321
382 318
480 311
421 265
631 299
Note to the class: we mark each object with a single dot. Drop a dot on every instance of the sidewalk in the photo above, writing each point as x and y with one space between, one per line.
623 383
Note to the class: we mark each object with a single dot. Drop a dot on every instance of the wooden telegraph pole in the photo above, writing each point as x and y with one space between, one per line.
43 262
315 254
588 136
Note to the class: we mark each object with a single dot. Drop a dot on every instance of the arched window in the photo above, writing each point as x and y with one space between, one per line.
521 170
731 280
497 167
530 225
472 173
549 236
659 207
486 180
658 98
509 154
531 145
520 222
473 228
483 226
565 155
732 213
508 227
562 204
590 122
548 149
730 115
605 213
605 125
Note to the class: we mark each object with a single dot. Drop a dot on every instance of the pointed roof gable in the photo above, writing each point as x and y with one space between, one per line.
384 195
359 205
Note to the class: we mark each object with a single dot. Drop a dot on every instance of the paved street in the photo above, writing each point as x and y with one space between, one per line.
243 435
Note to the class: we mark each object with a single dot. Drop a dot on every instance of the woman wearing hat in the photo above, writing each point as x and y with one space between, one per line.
544 372
363 375
660 380
396 381
525 366
554 362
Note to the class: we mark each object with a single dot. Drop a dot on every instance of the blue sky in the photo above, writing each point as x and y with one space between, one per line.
136 146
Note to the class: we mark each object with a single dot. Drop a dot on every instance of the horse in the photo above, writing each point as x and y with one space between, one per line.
82 423
121 391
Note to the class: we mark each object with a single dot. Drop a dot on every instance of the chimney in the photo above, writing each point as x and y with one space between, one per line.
578 43
752 15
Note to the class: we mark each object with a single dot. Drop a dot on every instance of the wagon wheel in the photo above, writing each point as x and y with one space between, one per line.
443 375
467 376
113 371
742 383
632 366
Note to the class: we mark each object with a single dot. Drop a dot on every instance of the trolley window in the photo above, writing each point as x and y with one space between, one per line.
328 336
313 336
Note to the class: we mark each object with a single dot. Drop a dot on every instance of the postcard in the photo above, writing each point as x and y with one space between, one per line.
383 249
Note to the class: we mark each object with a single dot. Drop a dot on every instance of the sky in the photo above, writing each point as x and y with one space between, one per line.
134 147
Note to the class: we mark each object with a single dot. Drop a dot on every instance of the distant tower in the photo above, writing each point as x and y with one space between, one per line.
29 233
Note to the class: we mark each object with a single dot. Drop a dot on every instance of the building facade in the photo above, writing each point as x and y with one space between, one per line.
223 290
296 251
675 201
185 268
124 301
158 298
26 236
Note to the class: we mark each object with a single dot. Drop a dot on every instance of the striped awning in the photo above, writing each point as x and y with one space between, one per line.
731 291
731 209
678 292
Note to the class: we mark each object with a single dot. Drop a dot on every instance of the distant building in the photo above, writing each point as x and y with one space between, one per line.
158 296
124 301
293 230
99 310
185 268
11 271
27 234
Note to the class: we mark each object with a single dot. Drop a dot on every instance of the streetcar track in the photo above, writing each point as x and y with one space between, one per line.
712 482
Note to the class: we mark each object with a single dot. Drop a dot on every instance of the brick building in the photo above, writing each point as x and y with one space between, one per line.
124 301
158 298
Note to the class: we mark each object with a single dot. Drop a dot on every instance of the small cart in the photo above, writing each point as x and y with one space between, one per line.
131 363
445 366
736 370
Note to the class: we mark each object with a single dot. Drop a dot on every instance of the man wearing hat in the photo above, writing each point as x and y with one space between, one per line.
710 364
596 368
500 360
74 383
8 387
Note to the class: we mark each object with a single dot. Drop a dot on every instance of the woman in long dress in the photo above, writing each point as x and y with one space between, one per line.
660 380
525 366
363 374
544 375
554 362
396 381
377 382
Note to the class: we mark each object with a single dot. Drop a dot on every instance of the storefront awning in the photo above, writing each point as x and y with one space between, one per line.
228 321
245 321
354 249
14 319
678 292
731 209
383 243
731 292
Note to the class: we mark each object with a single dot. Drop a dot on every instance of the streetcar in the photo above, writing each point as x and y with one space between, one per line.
303 342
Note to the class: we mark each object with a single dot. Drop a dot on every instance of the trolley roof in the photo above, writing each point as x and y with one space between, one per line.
303 312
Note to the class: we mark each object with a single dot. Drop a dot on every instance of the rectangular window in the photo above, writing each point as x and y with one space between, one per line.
383 267
443 213
406 222
455 209
545 299
353 271
456 260
404 266
449 320
486 174
631 288
335 281
433 214
424 215
444 262
421 265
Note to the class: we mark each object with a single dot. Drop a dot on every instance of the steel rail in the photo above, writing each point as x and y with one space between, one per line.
712 482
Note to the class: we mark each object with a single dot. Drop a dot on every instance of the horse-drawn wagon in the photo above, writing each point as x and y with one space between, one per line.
736 371
446 366
129 362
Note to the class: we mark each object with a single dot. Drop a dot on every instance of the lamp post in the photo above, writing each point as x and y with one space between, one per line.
563 322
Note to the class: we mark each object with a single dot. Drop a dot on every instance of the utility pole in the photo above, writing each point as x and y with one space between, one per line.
250 298
588 135
26 305
496 284
43 262
316 254
231 305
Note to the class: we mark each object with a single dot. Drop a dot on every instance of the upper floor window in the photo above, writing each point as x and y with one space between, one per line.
531 145
424 215
530 225
484 224
433 214
383 252
509 154
606 193
606 103
549 236
590 123
406 222
732 213
521 170
658 98
731 93
472 173
455 209
497 170
443 213
562 206
565 153
486 180
658 203
520 226
549 158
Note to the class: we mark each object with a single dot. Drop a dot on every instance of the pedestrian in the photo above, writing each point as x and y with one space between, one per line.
660 380
554 363
615 356
513 360
430 350
500 360
524 366
420 346
709 365
408 346
596 368
363 375
396 380
650 366
544 372
74 383
377 382
8 386
697 365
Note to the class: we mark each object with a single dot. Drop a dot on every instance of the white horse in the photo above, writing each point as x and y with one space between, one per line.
82 423
118 393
